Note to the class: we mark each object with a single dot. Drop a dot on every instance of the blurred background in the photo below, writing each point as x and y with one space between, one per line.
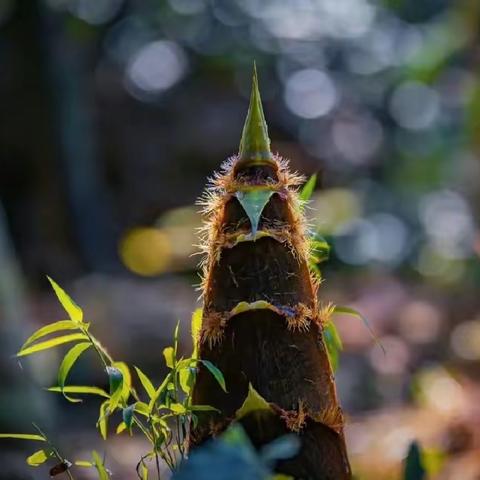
114 112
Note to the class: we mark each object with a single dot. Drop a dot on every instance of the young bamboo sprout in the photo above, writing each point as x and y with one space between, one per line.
261 323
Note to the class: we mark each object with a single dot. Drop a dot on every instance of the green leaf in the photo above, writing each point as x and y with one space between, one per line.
177 408
67 363
413 468
127 380
99 465
169 354
187 378
38 458
143 471
51 343
333 343
159 391
83 463
175 338
50 328
319 250
253 202
102 422
142 408
73 310
80 389
196 327
121 427
23 436
203 408
218 375
253 403
115 377
355 313
127 415
307 190
147 384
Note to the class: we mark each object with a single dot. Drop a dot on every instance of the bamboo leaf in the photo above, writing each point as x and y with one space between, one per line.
147 384
115 377
169 354
159 391
50 328
73 310
203 408
177 408
38 347
253 202
99 465
218 375
23 436
187 378
121 428
355 313
80 389
196 327
253 403
38 458
413 468
333 343
102 422
83 463
127 380
319 250
127 416
142 408
307 190
67 363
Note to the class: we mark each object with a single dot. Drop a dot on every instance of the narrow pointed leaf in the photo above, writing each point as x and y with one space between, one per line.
169 354
38 347
23 436
253 202
196 327
83 463
203 408
38 458
67 363
355 313
333 343
255 144
147 384
115 377
102 422
121 428
80 389
73 310
320 250
307 190
99 465
177 408
127 415
50 328
218 375
126 380
175 339
187 378
414 469
253 403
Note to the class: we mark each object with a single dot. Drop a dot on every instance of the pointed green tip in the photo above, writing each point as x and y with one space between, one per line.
255 144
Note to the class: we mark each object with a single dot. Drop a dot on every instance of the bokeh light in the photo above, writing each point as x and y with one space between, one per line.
310 93
145 251
154 68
